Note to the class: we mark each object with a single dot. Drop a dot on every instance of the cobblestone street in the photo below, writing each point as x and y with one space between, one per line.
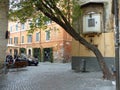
52 76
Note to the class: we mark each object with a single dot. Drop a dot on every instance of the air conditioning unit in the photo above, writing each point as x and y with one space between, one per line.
92 23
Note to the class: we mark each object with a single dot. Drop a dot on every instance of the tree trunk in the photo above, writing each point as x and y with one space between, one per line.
3 29
106 72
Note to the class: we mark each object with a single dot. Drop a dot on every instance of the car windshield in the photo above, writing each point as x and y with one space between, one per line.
25 56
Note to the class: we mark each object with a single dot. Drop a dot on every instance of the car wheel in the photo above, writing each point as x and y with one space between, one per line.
28 64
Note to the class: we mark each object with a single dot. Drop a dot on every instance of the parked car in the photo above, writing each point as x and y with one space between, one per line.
15 63
9 59
31 60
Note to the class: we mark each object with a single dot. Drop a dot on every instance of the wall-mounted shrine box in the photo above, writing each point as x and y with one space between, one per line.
92 23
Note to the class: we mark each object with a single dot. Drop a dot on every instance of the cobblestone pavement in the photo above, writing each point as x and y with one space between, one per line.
52 76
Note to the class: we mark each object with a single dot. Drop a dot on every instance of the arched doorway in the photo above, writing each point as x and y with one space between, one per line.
22 50
29 52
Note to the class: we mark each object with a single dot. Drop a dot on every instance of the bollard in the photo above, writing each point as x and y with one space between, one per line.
84 65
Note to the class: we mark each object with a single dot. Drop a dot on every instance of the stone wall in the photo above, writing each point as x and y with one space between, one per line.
91 63
3 28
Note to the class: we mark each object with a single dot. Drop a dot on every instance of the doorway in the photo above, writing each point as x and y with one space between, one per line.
37 53
47 55
22 51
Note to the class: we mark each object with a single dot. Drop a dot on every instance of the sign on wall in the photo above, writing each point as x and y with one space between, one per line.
92 23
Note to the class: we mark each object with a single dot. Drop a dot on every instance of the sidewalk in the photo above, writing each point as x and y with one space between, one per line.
53 76
4 70
1 70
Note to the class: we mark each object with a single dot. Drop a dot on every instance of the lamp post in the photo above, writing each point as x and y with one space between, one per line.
117 62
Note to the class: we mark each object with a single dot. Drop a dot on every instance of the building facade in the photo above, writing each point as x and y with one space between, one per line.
52 44
96 25
3 29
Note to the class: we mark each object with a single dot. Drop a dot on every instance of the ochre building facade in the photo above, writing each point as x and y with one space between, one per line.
52 44
96 25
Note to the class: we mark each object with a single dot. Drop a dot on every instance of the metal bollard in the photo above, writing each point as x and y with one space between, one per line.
84 65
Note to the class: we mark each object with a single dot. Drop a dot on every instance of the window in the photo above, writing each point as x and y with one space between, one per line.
15 40
48 35
48 22
10 41
29 38
91 22
16 27
30 24
38 36
10 28
37 22
22 26
22 39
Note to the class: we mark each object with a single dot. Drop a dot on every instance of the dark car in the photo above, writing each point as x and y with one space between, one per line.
15 62
31 60
9 59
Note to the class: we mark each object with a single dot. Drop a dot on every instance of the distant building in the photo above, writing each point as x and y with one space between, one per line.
52 44
96 25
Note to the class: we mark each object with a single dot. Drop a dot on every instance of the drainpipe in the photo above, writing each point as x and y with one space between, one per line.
116 12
